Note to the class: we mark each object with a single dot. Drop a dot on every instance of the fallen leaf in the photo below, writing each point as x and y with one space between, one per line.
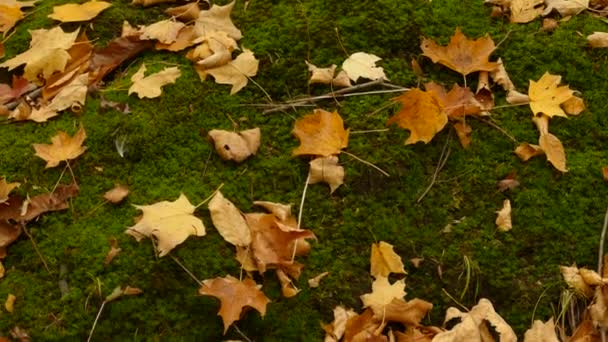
341 80
150 86
185 13
472 326
281 211
362 327
113 252
214 51
105 60
461 54
464 131
585 331
383 294
457 103
236 146
54 201
235 73
146 3
244 256
19 87
575 281
120 291
421 113
62 148
46 55
566 7
314 281
170 223
549 25
501 77
605 173
526 151
217 18
590 277
72 96
321 75
408 313
546 96
326 170
229 221
361 64
165 31
524 11
554 150
6 188
116 194
598 310
321 133
384 260
335 330
185 38
78 12
509 183
9 16
8 234
598 40
234 296
1 270
574 105
288 289
503 220
9 305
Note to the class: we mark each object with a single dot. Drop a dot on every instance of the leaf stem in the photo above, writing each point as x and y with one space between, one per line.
366 163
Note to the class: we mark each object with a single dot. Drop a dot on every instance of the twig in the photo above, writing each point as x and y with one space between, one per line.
370 131
445 153
503 39
367 163
210 196
206 164
241 333
103 304
389 104
187 270
511 105
454 299
32 94
340 41
295 243
500 129
35 247
59 180
600 259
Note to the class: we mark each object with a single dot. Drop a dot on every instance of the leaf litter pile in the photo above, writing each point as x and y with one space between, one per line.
63 68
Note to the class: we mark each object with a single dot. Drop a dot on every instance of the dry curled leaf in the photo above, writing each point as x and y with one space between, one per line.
575 281
116 194
461 54
463 131
408 313
229 221
70 13
150 86
326 170
541 332
421 113
384 260
235 296
566 7
526 151
113 252
170 223
236 146
363 65
524 11
321 133
62 148
185 13
503 220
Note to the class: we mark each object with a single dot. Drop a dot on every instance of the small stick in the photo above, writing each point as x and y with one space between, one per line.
340 41
103 304
59 180
369 131
295 243
187 270
367 163
35 247
600 258
241 333
511 105
442 160
500 129
206 164
210 196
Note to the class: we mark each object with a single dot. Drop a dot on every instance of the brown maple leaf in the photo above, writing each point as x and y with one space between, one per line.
62 148
321 133
457 103
19 87
235 296
119 50
461 54
421 113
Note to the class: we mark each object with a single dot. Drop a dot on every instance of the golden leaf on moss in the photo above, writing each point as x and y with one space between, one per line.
546 95
229 221
62 148
384 260
150 86
9 305
69 13
321 133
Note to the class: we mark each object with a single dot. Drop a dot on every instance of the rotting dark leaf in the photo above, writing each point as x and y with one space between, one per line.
116 53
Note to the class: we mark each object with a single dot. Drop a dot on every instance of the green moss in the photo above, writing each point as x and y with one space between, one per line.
556 216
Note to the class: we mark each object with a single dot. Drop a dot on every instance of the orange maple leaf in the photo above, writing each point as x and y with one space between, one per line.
457 103
234 296
321 133
62 147
462 54
421 113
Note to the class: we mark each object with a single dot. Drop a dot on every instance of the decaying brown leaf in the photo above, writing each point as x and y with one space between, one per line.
457 103
335 330
503 219
69 13
598 40
116 194
463 131
9 305
288 288
326 170
314 281
229 221
62 148
105 60
408 313
321 133
113 252
236 146
384 260
19 87
170 223
119 291
362 327
461 54
421 113
234 296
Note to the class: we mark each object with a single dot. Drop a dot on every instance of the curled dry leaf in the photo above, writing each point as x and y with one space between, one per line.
574 106
464 131
70 13
384 260
335 330
229 221
113 252
6 188
217 18
541 332
80 55
235 73
320 75
421 113
361 64
314 281
326 170
150 86
171 223
461 54
598 40
321 133
62 148
362 327
9 305
546 96
120 291
503 220
281 211
236 146
185 13
185 38
526 151
288 289
117 194
234 296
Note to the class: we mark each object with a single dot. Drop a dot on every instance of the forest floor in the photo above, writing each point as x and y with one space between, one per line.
557 217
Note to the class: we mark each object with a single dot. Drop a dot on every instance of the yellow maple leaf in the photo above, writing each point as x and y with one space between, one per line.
421 113
78 12
235 72
321 133
150 86
217 18
62 148
361 64
47 53
461 54
9 16
546 96
384 260
170 223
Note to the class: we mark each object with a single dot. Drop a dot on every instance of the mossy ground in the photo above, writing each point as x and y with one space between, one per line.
557 217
